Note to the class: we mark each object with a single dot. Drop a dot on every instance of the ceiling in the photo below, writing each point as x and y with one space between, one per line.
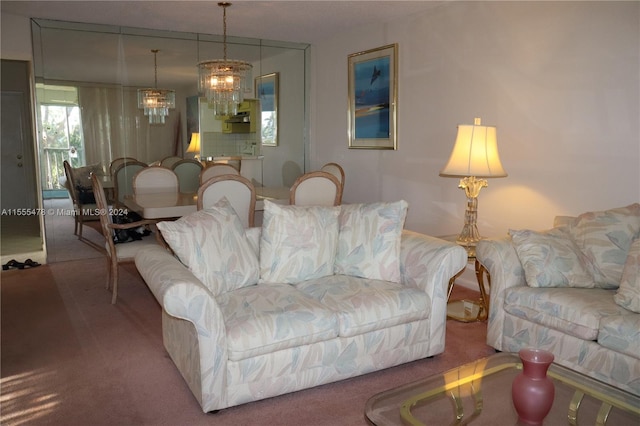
293 21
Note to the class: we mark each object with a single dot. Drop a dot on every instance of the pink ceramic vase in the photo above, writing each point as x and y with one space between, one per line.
532 391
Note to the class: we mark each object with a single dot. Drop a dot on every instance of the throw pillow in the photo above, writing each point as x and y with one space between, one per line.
628 294
605 237
552 259
369 240
213 245
297 243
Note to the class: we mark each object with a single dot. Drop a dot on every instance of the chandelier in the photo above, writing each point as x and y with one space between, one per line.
223 81
156 102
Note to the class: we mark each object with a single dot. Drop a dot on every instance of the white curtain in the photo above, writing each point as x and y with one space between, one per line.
114 127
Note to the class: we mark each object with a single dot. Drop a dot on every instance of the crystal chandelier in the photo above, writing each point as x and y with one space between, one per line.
223 81
156 102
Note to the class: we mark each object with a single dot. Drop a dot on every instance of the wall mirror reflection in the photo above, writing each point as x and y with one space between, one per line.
87 80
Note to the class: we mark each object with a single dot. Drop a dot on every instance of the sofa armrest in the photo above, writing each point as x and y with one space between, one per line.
500 259
184 296
429 263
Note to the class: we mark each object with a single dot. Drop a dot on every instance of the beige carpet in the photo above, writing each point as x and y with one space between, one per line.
69 357
62 244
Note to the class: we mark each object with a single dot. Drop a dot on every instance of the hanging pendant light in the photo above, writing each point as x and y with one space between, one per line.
156 102
223 81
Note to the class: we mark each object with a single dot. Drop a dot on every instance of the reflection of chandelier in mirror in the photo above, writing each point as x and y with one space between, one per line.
223 81
156 102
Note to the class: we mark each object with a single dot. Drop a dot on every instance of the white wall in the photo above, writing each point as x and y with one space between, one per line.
560 80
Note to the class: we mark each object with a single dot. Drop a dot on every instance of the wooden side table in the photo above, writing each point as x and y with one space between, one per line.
466 310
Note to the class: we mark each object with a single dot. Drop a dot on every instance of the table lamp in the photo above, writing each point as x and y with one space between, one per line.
474 158
194 145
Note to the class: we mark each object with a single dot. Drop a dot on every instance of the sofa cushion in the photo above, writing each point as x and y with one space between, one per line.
365 305
575 311
265 318
621 333
213 245
605 237
369 240
298 242
552 259
628 295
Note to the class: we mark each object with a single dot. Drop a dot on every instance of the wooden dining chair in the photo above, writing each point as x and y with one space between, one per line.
80 206
116 253
336 170
152 180
316 189
217 169
239 191
123 180
188 171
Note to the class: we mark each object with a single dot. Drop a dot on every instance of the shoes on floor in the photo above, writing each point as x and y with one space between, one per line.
28 264
19 265
10 264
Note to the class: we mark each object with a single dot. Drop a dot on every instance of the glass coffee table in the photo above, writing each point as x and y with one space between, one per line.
479 393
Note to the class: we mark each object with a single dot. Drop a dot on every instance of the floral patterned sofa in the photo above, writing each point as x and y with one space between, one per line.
316 295
573 290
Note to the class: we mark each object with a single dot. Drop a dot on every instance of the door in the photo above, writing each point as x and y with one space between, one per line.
18 189
21 223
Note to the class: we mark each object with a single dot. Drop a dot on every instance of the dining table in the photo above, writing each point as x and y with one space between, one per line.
166 205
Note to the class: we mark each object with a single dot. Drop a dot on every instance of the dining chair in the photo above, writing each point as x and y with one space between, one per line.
123 179
316 189
217 169
118 161
188 171
239 191
152 180
80 206
116 253
169 161
336 170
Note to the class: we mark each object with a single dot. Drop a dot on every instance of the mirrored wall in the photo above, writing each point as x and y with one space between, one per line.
87 78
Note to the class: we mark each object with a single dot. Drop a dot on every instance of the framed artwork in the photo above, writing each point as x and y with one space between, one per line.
373 98
266 90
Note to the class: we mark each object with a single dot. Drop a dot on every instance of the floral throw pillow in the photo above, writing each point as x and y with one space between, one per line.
369 240
213 245
628 294
297 243
552 259
605 237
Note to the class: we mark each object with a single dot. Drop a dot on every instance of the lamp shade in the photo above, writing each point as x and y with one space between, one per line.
194 145
475 153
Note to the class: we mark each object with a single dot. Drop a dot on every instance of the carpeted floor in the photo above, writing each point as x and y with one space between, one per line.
69 357
62 244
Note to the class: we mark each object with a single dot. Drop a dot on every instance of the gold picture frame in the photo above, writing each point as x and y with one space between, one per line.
266 90
373 98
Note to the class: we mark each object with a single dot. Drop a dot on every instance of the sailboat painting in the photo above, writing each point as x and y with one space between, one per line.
373 98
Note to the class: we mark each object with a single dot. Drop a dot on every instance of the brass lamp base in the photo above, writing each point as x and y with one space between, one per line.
470 236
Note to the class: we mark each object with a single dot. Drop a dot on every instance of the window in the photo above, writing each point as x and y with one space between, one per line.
60 132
